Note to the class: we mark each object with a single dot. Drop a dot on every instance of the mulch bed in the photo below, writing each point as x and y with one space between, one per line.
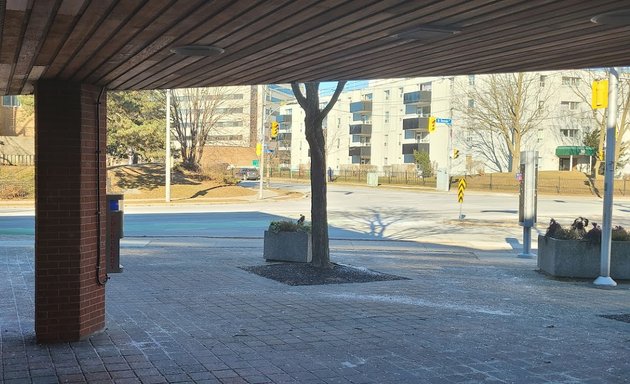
306 274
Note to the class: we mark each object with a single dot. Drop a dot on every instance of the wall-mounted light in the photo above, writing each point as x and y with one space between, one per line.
198 50
619 18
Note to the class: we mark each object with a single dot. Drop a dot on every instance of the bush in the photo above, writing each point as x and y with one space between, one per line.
578 231
13 191
288 226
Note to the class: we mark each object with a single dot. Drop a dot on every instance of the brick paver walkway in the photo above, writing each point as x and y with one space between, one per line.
183 311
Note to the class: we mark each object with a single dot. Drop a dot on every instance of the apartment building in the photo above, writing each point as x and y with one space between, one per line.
381 125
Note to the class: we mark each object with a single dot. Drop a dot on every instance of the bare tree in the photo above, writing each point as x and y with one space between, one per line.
599 116
197 113
315 137
501 112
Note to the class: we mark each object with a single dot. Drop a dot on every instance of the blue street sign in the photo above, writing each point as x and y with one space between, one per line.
444 121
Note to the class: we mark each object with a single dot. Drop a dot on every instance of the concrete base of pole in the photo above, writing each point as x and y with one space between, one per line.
526 255
605 281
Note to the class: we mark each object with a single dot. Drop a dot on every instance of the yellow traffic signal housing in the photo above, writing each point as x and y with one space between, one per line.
599 98
258 149
455 153
431 124
274 129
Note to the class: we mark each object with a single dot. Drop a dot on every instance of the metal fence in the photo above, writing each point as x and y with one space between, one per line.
17 159
361 177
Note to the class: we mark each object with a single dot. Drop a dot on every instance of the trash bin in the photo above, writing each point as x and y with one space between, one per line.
113 233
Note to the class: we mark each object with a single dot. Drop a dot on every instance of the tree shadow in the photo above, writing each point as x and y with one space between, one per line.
147 176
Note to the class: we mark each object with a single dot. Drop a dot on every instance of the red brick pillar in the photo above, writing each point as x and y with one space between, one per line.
69 299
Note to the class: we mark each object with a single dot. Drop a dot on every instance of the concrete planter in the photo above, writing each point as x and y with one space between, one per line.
575 258
288 246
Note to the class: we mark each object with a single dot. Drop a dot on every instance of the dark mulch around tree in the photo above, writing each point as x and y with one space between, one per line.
306 274
623 317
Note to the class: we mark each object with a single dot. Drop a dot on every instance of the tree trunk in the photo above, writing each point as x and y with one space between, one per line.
319 210
317 143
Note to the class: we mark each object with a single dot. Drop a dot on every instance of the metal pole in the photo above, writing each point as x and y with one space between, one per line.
167 161
604 278
261 169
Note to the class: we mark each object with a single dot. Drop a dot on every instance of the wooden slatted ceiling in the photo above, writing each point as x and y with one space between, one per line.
125 44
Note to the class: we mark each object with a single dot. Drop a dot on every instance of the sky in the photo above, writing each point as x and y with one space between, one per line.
327 88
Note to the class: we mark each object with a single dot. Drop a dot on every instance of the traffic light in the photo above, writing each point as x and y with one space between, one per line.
431 124
455 153
274 129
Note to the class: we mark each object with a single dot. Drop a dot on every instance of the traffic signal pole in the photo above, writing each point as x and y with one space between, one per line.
604 278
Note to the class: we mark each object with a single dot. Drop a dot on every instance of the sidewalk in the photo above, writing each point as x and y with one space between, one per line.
184 312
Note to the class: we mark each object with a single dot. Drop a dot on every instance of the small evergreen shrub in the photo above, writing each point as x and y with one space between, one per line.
288 226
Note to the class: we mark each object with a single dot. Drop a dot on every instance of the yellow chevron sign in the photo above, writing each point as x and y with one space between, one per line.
461 187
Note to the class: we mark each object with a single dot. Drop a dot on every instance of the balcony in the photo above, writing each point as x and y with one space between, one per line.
284 119
284 137
363 152
361 106
361 129
417 97
407 149
416 123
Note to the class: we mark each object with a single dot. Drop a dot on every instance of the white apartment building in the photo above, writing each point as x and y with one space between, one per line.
381 125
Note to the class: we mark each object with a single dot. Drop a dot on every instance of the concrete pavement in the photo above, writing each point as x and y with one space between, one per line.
184 312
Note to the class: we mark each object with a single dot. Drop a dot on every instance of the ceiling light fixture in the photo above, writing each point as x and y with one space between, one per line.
198 50
426 33
619 18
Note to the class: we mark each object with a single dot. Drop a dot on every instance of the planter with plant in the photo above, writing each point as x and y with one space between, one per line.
576 251
288 241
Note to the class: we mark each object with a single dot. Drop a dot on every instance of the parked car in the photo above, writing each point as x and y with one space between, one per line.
248 174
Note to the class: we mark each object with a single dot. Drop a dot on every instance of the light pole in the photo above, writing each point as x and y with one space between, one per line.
167 162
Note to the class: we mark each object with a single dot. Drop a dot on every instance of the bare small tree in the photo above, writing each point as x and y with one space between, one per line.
197 113
315 137
501 112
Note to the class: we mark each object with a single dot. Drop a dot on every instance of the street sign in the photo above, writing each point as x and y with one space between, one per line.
444 121
460 190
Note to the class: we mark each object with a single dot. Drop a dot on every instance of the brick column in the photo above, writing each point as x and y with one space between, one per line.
69 301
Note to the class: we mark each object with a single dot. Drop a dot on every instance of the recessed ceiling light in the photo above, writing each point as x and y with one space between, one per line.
614 19
198 50
426 33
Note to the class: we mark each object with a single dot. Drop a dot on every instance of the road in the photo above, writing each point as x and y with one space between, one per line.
355 212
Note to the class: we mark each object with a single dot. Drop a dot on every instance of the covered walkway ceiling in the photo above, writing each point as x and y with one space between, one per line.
126 44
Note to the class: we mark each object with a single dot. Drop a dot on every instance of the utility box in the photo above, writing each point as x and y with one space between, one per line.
113 233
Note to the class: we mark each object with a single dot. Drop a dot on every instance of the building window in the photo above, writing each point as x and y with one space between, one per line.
387 116
543 78
387 94
570 105
541 105
471 103
471 79
367 96
229 124
10 101
224 137
386 137
385 161
569 132
338 141
425 86
400 91
288 111
229 110
566 80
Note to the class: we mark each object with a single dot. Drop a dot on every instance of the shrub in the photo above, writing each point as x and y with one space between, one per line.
13 191
288 226
578 231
